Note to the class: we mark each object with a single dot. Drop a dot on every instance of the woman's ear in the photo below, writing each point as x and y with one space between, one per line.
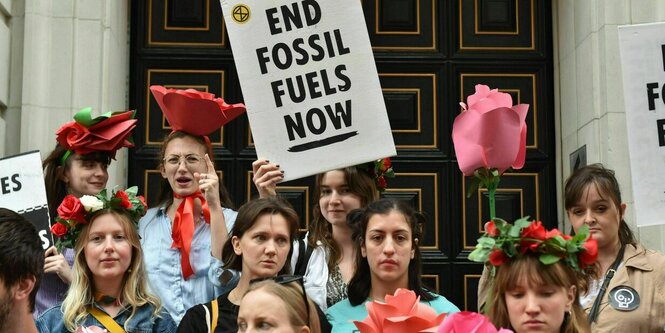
304 329
622 210
413 250
571 297
236 245
363 250
62 173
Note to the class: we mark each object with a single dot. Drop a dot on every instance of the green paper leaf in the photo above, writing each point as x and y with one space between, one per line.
548 259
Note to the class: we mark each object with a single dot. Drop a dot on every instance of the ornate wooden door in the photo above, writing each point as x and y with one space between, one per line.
429 55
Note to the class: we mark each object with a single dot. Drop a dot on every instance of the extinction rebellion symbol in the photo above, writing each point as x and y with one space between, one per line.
241 13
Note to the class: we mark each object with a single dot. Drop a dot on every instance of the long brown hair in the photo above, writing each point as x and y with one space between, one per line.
360 184
165 194
56 189
528 267
607 186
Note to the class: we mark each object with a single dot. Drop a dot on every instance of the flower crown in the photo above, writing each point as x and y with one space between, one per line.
379 170
74 213
108 132
503 241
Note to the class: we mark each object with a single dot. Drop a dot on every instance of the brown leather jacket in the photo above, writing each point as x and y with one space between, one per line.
644 271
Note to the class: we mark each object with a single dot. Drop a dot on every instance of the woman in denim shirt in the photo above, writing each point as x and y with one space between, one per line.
109 289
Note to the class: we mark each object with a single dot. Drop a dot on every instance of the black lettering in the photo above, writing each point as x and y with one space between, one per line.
343 77
340 44
313 43
297 47
310 121
272 21
339 114
661 132
651 95
17 183
296 96
331 49
263 60
4 181
662 50
288 58
312 12
312 85
292 16
296 125
277 92
326 84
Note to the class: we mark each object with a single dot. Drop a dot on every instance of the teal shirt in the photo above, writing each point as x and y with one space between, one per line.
342 314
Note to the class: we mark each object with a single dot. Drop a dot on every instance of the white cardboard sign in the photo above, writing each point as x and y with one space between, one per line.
22 190
643 65
309 82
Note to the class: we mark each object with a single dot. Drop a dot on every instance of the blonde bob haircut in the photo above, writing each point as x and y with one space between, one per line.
529 268
291 295
134 287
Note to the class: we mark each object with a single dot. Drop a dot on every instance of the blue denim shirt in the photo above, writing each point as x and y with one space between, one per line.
142 322
163 263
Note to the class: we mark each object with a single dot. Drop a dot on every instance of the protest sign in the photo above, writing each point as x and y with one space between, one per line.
22 190
309 82
643 65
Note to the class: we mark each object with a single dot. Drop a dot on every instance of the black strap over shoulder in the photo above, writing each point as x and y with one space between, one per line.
301 263
593 314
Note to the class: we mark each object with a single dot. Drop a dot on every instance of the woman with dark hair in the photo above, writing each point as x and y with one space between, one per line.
78 166
627 293
331 261
259 247
182 237
386 234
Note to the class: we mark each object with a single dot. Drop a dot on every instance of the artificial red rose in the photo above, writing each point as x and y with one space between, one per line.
497 257
385 164
532 236
74 136
59 229
125 199
382 182
590 253
71 209
142 200
553 233
491 229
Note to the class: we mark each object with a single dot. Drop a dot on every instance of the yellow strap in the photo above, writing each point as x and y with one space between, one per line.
215 312
106 320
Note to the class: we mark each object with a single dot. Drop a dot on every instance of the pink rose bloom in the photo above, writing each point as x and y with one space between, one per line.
401 312
490 133
90 329
468 322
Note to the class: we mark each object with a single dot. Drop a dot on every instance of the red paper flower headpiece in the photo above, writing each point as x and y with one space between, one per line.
74 213
379 170
195 112
106 133
503 241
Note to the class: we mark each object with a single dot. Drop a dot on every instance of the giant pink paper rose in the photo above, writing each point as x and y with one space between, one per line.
468 322
401 312
490 133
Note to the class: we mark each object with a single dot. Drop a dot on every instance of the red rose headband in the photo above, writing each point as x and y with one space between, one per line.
106 133
379 170
74 213
195 112
503 241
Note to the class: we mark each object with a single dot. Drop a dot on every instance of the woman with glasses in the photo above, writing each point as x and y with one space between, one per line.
386 234
183 234
278 306
259 247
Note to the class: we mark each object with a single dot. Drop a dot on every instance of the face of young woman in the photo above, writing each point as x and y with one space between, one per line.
264 312
538 308
107 250
264 247
85 177
389 248
336 199
600 214
182 158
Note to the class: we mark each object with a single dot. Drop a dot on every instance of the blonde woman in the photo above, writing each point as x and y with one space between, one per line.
109 288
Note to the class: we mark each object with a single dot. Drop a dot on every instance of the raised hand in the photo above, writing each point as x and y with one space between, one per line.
55 262
266 177
209 183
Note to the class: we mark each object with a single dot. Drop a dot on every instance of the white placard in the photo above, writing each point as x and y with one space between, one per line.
22 190
643 65
309 82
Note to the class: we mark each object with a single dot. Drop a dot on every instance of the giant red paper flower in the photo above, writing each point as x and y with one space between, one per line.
468 322
193 111
402 312
490 133
108 132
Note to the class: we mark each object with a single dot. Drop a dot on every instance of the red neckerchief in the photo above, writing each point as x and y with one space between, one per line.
183 228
